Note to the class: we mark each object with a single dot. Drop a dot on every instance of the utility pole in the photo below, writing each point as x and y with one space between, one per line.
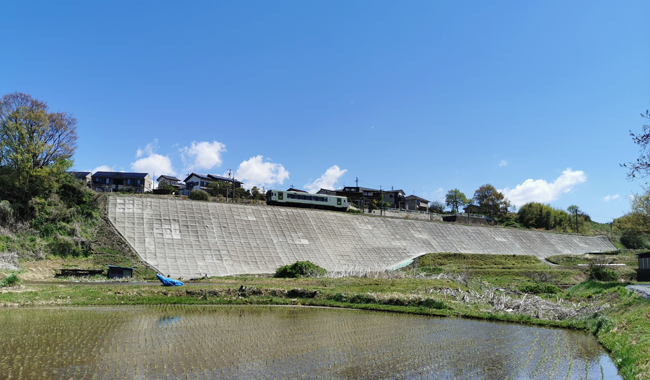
381 199
233 189
227 189
357 182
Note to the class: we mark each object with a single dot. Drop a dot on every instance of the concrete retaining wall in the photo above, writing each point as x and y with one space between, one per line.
190 239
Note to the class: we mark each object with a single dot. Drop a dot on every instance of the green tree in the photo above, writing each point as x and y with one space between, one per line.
242 193
437 207
637 221
575 212
219 188
36 148
31 136
256 194
491 201
166 188
538 215
455 199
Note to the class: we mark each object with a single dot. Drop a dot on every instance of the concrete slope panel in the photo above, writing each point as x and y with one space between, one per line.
191 239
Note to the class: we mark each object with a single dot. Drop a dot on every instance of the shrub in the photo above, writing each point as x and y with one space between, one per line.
64 246
199 195
6 212
433 304
540 288
362 298
602 273
300 269
633 241
9 281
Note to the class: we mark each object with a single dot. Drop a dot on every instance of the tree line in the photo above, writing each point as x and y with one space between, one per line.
488 201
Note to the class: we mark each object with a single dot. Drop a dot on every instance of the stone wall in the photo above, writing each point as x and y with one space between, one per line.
191 239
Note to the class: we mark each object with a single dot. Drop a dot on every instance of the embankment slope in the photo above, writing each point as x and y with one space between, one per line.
192 239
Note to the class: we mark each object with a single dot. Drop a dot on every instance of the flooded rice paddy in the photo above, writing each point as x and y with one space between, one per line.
190 342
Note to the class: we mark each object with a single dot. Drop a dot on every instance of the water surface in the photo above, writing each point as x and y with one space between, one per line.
256 342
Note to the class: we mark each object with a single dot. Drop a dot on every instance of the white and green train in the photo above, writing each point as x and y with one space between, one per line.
300 199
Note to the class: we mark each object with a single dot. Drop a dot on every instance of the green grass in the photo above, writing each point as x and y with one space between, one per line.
459 260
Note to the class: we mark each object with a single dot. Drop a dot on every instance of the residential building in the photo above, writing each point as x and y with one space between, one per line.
122 181
395 198
298 190
359 195
201 181
83 177
415 203
171 181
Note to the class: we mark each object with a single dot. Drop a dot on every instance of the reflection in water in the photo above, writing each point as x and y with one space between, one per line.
166 321
189 342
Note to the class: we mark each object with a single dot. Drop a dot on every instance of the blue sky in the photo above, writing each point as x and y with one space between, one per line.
535 98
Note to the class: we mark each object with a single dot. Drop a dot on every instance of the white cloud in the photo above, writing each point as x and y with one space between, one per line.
327 180
439 195
149 149
542 191
256 172
153 162
104 168
202 155
503 163
610 197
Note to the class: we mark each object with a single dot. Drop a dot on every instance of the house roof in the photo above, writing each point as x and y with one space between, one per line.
202 176
211 177
298 190
360 188
418 198
80 174
120 174
168 177
221 178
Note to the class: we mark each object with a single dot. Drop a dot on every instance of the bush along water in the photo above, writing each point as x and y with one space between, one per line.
300 269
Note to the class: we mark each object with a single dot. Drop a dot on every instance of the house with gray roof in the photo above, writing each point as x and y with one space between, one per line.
83 177
415 203
122 181
196 181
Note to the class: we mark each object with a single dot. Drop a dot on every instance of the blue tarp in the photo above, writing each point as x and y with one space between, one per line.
169 281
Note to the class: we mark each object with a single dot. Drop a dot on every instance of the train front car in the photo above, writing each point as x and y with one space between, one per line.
306 200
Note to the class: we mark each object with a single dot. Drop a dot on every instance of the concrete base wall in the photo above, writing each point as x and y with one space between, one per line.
190 239
465 220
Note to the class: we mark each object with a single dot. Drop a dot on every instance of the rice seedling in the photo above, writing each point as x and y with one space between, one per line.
230 342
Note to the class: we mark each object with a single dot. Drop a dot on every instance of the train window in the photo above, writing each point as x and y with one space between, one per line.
338 201
280 196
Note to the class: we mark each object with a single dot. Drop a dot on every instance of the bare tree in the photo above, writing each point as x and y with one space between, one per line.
641 167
